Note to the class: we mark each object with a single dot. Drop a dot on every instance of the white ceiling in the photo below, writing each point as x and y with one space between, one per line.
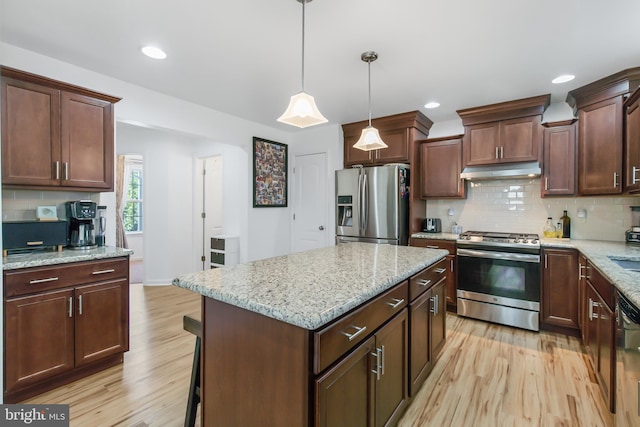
244 57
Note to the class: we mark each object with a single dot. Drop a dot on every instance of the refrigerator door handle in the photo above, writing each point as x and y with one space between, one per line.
359 202
365 203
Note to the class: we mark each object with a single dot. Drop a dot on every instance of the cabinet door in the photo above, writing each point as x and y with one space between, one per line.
520 139
345 394
632 148
481 144
440 167
39 337
600 148
560 288
391 389
87 142
398 147
30 134
606 343
102 316
353 156
583 269
559 177
420 361
591 334
438 326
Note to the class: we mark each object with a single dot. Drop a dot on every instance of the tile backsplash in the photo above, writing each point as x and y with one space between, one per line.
515 205
21 204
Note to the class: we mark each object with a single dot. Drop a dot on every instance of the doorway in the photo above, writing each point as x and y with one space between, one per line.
208 192
131 211
310 202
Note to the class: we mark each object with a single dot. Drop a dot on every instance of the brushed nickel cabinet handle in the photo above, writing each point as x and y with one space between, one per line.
378 356
66 171
497 153
48 279
356 333
546 182
424 282
57 169
633 181
80 304
615 179
382 354
502 152
111 270
70 306
433 247
439 270
452 265
396 302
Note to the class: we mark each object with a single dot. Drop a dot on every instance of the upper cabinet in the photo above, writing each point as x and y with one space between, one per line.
399 132
440 167
632 146
55 135
559 166
599 106
503 133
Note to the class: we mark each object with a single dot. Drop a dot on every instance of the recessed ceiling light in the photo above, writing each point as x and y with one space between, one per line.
154 52
563 78
432 105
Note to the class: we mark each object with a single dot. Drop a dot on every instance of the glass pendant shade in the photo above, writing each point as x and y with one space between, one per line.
369 140
302 112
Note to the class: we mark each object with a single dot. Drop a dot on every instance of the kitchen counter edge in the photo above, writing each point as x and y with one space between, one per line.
41 259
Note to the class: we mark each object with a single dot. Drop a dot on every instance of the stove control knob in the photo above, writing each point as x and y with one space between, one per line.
525 241
535 242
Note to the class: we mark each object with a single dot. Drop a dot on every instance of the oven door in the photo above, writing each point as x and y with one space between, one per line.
510 276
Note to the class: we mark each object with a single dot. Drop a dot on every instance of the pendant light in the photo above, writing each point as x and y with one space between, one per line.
369 138
302 111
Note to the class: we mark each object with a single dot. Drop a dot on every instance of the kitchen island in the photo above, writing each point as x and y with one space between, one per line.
281 337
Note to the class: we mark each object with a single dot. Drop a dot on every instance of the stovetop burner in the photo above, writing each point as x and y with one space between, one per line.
530 240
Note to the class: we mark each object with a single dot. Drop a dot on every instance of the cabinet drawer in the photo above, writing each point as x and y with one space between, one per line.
427 278
37 279
344 334
448 245
601 285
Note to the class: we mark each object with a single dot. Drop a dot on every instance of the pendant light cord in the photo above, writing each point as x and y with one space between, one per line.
369 62
302 79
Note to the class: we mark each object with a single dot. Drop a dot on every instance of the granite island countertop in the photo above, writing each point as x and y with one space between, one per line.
310 289
40 259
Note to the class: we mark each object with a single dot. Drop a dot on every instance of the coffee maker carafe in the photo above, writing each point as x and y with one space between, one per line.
81 215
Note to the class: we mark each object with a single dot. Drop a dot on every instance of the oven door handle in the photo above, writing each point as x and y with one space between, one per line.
508 256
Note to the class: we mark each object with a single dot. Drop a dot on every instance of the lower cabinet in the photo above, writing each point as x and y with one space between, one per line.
369 386
77 326
599 332
452 266
560 289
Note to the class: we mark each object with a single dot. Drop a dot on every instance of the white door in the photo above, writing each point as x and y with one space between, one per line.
210 187
310 202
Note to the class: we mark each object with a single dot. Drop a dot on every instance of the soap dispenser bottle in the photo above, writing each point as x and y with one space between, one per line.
549 229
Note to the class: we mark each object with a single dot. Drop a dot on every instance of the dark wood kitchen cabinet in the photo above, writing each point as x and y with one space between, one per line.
427 313
349 394
632 143
506 132
401 133
560 290
440 167
55 135
598 331
451 265
63 322
559 165
599 107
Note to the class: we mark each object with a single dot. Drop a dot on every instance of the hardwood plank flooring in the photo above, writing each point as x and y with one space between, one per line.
487 375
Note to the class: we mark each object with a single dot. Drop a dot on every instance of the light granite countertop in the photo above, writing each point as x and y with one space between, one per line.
39 259
310 289
598 252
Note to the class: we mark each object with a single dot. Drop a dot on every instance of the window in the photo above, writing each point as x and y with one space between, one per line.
133 208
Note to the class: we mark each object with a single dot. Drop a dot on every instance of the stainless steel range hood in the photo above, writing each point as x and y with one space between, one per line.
511 170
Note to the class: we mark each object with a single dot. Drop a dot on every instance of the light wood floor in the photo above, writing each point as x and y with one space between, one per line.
487 375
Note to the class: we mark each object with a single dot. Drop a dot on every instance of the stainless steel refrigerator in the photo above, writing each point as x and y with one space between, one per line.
372 204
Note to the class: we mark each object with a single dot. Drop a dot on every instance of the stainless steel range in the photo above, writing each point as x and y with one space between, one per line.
499 278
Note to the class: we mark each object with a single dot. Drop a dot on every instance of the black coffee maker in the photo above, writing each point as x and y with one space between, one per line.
81 215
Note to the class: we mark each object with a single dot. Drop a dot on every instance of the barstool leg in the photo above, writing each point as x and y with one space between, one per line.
194 388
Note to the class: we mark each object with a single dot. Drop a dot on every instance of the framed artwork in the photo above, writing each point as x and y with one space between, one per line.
269 174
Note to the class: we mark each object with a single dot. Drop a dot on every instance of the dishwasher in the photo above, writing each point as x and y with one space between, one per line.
627 363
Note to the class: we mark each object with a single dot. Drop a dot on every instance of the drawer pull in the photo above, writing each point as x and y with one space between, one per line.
355 334
80 304
439 270
378 356
70 306
423 282
35 243
396 302
111 270
48 279
433 247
